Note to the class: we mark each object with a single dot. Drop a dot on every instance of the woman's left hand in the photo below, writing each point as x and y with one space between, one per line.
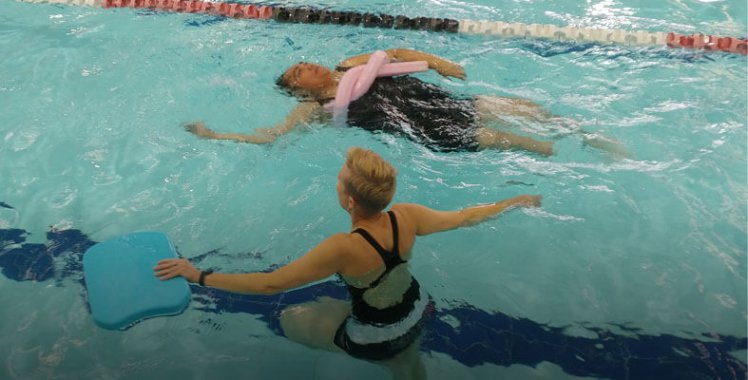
450 69
170 268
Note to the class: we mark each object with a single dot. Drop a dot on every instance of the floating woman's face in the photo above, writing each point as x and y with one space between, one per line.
307 76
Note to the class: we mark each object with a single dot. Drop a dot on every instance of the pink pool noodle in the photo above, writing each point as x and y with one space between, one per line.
357 80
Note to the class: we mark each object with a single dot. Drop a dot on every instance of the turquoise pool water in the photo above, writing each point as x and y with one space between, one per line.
653 245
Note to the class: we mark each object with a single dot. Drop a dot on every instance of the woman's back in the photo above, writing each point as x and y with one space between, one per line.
379 270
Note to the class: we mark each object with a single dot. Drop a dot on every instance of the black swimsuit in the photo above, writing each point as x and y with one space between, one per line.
377 334
422 111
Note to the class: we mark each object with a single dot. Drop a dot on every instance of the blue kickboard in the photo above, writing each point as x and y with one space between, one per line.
122 287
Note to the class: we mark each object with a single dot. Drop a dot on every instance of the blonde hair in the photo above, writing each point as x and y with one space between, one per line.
373 180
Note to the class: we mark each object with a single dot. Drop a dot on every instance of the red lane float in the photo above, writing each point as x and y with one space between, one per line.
234 10
707 42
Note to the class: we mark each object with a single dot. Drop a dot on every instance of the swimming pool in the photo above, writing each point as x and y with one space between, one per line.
633 268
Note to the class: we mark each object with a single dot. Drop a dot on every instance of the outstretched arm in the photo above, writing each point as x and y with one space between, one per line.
321 262
303 113
442 66
428 221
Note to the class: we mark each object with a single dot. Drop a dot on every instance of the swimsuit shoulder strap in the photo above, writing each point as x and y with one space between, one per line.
383 253
395 237
391 259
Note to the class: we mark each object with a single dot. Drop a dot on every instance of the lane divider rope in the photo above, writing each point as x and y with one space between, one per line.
308 15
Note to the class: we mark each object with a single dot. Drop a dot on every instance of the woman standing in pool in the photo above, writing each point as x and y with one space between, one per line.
383 320
401 105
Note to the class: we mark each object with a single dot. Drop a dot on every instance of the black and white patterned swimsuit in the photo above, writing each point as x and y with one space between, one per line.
378 334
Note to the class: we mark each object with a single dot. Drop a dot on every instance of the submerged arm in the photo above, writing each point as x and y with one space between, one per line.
303 113
442 66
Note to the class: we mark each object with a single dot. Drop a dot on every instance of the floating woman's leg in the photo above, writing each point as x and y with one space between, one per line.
314 323
516 111
503 109
505 112
492 139
605 143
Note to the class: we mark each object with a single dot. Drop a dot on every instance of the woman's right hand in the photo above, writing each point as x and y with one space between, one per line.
170 268
200 130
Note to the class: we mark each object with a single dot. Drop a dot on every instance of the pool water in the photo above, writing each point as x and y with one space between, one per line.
634 267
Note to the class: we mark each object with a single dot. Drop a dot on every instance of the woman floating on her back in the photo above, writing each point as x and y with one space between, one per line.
404 105
383 320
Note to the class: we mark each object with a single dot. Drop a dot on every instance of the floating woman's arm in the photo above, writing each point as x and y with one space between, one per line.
302 114
353 62
442 66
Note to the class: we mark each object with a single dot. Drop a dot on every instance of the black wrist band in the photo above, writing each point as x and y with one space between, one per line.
202 277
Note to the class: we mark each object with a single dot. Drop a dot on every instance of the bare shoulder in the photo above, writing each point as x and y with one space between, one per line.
307 107
425 220
338 242
406 212
309 104
334 248
406 208
400 208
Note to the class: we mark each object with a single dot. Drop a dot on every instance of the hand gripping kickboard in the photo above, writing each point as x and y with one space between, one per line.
122 287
